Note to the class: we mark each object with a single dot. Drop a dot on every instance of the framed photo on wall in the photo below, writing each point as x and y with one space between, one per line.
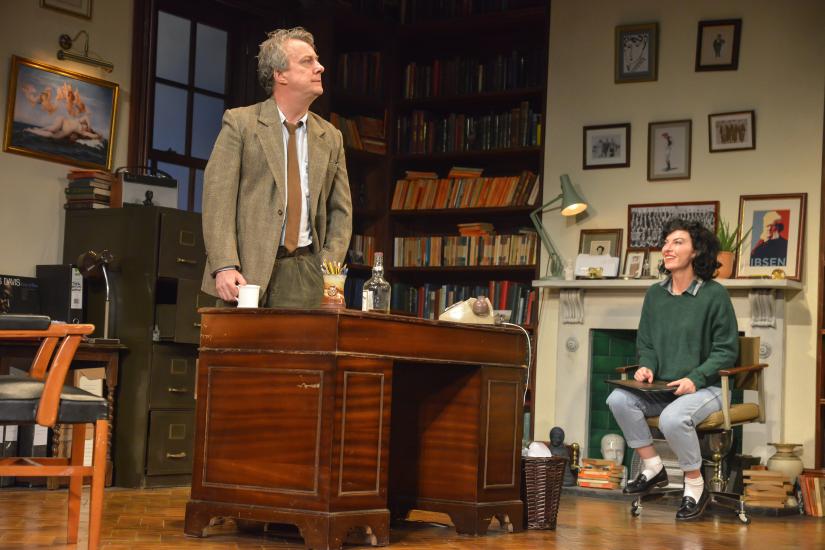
606 146
60 115
668 150
732 131
80 8
636 53
717 45
777 224
634 263
646 221
600 242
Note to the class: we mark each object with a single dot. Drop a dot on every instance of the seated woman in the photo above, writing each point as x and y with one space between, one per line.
687 333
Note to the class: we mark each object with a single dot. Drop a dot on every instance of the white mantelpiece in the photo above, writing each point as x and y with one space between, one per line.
585 305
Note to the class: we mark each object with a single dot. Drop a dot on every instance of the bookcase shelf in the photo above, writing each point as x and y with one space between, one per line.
463 212
470 156
528 19
485 99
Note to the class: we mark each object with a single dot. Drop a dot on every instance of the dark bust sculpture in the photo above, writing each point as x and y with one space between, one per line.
558 448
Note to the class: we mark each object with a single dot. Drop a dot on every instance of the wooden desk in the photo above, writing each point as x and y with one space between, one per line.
20 354
334 419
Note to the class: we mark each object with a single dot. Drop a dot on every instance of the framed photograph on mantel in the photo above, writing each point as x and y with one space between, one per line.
732 131
777 229
646 221
601 242
717 45
606 146
636 53
668 150
60 115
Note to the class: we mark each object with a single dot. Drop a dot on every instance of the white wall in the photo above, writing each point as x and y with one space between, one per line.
31 190
781 76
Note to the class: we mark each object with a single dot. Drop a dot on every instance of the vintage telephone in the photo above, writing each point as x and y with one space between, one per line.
473 310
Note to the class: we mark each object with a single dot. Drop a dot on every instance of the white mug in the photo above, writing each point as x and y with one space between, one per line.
248 295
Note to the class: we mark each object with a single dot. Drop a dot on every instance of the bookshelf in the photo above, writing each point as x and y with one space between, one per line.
457 84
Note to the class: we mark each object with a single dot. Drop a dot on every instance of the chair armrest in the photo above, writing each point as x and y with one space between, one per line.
627 368
745 368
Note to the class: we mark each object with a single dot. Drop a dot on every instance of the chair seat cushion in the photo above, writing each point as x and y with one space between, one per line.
20 396
12 321
739 414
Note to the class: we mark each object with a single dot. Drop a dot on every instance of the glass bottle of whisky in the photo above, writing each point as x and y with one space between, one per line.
376 293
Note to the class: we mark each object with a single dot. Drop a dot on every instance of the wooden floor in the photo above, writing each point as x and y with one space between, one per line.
137 519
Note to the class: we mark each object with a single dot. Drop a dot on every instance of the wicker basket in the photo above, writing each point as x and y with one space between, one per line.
541 485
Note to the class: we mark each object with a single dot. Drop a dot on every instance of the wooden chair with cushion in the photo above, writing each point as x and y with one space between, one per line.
715 431
41 398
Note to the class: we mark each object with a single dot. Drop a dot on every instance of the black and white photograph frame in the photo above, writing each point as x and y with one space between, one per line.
636 55
668 150
646 221
601 242
634 263
717 45
732 131
606 146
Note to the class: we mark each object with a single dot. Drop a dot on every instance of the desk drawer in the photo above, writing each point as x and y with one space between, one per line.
181 253
173 377
171 435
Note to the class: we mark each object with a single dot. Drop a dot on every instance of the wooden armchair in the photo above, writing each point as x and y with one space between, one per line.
716 428
41 398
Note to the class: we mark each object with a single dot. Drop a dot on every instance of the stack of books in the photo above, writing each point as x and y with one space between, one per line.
90 189
597 473
812 492
362 133
476 229
766 489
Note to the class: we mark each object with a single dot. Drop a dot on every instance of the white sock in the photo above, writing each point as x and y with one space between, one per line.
694 487
652 466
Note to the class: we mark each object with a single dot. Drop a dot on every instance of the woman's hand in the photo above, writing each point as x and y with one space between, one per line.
685 386
643 374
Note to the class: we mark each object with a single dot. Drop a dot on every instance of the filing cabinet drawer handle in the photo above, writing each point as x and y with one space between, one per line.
178 390
179 455
196 325
186 261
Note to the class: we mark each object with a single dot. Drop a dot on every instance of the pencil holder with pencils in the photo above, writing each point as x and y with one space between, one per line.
335 275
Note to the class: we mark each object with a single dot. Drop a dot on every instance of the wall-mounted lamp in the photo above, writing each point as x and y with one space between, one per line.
571 204
66 52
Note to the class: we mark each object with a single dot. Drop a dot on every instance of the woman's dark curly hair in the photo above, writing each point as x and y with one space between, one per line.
705 244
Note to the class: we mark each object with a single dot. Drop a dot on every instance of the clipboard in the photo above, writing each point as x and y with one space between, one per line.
642 387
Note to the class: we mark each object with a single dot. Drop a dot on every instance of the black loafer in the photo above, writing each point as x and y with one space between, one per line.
690 509
642 485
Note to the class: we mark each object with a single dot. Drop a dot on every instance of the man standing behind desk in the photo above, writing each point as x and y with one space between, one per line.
276 198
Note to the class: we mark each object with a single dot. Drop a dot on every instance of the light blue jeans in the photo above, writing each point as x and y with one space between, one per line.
678 418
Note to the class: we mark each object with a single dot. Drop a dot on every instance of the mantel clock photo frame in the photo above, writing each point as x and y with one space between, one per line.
60 115
774 246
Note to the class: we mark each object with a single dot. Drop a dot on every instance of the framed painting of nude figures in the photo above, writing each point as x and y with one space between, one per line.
60 115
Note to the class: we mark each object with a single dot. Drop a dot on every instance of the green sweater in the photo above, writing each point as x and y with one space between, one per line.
686 335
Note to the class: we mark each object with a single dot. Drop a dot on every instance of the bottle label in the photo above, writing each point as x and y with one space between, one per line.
366 300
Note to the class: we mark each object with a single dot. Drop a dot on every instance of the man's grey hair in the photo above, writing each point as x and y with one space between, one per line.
272 56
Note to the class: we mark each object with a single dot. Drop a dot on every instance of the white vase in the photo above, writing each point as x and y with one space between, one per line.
785 460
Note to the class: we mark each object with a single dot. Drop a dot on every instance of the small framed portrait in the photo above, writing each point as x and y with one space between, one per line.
634 262
732 131
80 8
668 150
775 242
717 45
637 53
601 242
606 146
645 222
656 260
60 115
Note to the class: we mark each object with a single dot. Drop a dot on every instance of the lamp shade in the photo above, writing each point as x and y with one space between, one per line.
571 202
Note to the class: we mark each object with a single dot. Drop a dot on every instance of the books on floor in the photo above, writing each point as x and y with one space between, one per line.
597 473
766 488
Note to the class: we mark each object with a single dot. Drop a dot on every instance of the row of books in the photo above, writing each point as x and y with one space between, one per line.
598 473
490 192
362 132
360 73
430 300
463 250
765 488
473 75
362 249
90 189
423 132
812 492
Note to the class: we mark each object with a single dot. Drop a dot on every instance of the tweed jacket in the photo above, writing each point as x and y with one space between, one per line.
244 190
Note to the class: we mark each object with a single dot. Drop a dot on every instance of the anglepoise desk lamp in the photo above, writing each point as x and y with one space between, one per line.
92 265
571 204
